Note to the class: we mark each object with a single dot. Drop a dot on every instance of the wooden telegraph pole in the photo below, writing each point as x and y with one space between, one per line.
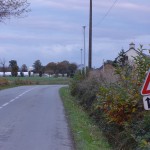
90 36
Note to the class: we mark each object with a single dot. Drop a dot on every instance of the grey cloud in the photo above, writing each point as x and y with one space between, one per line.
53 30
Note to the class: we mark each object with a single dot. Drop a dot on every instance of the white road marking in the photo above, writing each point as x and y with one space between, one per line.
12 100
5 104
16 98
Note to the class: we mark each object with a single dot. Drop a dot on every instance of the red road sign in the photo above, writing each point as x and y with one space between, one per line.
146 86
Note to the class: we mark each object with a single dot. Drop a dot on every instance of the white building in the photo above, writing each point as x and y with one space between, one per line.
7 74
131 53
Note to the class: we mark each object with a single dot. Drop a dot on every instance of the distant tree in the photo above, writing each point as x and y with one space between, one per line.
21 74
2 63
37 65
72 68
42 71
51 68
29 73
38 68
122 59
62 67
40 74
12 8
24 68
14 68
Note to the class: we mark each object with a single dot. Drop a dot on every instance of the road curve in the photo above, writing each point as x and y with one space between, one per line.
33 118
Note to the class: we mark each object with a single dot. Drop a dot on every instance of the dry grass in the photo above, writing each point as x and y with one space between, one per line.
106 75
3 81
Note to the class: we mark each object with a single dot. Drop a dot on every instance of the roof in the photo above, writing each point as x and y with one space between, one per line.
136 52
131 43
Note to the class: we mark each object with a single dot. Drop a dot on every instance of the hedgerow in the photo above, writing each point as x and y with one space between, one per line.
114 101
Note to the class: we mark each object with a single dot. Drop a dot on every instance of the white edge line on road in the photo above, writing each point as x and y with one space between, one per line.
5 104
12 100
2 106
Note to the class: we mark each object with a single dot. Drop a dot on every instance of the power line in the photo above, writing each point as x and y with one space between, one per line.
107 13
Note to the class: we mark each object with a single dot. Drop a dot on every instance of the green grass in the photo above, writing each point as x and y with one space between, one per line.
19 81
39 80
86 134
6 87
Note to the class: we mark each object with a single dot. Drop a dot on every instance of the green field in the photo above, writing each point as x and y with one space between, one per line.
6 82
41 80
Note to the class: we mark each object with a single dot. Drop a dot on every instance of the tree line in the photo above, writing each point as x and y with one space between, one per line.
64 67
52 68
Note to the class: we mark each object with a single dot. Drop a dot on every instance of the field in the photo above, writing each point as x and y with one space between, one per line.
6 82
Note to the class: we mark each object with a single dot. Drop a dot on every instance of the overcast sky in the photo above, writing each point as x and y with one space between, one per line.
52 31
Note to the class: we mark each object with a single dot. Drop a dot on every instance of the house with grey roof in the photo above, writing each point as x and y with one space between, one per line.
131 53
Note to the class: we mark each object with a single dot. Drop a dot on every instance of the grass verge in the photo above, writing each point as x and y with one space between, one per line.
87 135
38 80
8 82
7 87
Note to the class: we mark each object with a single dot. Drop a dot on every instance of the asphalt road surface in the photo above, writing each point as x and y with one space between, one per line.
33 118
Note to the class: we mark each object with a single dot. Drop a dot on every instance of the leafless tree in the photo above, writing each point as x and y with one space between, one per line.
12 8
3 64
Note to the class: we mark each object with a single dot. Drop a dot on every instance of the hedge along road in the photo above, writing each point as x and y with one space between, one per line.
33 118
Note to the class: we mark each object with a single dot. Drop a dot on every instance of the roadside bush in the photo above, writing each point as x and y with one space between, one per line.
86 88
87 92
74 84
113 99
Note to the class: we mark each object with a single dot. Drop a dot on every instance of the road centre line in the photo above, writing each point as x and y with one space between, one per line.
2 106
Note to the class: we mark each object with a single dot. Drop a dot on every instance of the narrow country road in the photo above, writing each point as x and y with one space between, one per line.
33 118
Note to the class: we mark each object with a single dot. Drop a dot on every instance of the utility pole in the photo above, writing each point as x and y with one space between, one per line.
84 47
81 55
90 36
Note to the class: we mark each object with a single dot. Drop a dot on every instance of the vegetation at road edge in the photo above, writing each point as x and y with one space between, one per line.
6 82
112 98
86 134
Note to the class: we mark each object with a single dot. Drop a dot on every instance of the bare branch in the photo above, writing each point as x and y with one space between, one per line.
13 8
3 62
